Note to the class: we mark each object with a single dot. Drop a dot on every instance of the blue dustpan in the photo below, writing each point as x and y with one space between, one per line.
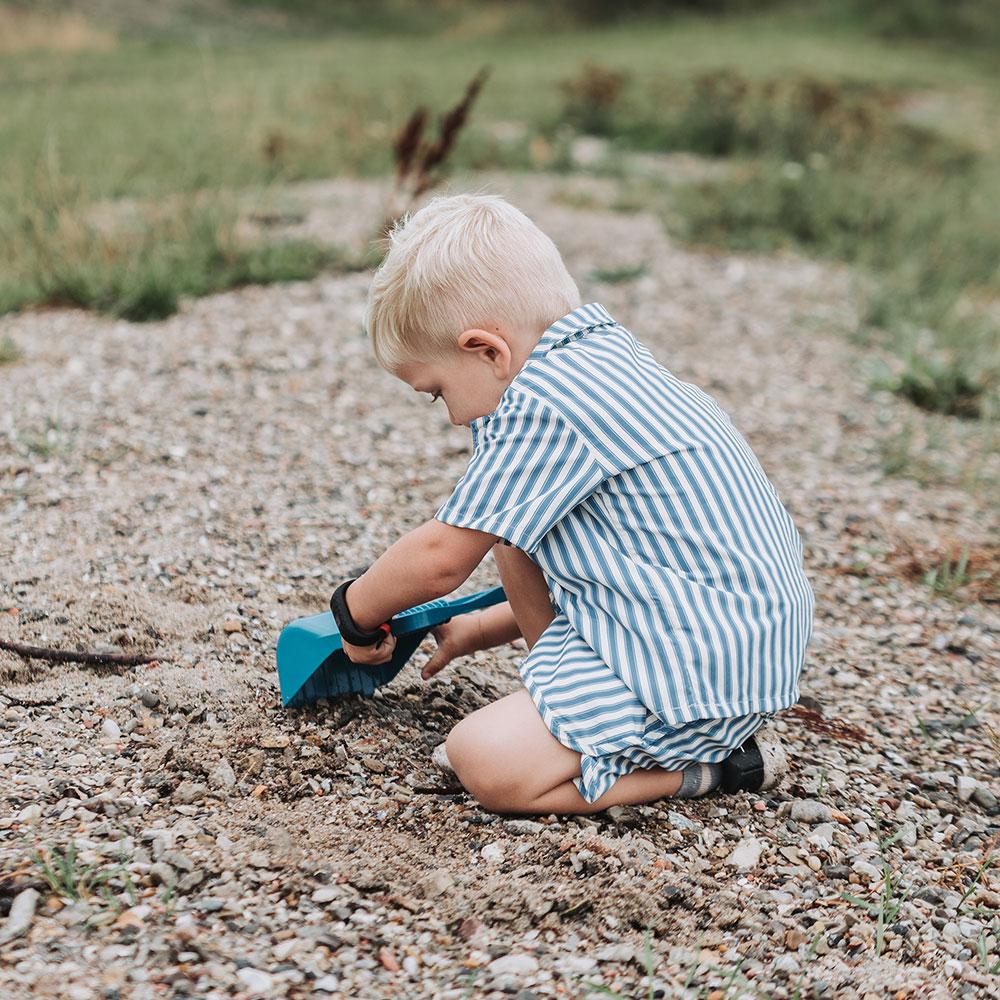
312 663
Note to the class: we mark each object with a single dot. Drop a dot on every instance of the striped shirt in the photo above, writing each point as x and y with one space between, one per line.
675 570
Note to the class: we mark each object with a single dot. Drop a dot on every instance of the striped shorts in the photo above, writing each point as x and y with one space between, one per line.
616 734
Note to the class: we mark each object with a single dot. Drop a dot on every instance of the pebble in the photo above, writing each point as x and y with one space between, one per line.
110 730
986 800
810 811
523 826
866 869
786 963
222 776
149 698
255 980
22 912
435 883
493 852
327 894
514 965
189 791
746 854
966 786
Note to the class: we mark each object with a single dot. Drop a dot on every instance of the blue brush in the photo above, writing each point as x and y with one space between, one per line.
312 663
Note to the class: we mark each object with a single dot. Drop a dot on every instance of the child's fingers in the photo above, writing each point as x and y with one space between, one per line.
386 647
439 660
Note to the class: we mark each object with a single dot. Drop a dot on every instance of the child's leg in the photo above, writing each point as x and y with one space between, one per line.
504 753
506 757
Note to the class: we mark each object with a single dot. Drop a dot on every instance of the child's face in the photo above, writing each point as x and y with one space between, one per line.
470 385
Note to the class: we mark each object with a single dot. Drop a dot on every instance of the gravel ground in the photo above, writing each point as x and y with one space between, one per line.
187 487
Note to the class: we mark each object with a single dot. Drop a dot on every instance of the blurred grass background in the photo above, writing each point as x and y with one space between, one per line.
858 131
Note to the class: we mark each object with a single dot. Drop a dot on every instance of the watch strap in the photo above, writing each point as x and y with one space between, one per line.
349 631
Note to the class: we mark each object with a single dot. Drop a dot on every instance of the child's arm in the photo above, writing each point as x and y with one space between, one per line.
427 563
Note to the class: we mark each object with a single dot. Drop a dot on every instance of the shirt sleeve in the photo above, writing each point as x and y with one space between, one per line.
529 468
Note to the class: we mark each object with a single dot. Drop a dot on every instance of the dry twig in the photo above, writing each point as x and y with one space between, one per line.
72 656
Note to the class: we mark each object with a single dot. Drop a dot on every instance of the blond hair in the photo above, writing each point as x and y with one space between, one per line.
465 260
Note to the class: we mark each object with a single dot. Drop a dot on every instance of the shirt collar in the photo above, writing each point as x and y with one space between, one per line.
578 321
583 318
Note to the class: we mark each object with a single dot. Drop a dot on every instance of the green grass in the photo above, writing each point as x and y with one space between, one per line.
893 893
66 876
174 116
949 576
53 253
619 275
931 239
9 351
198 110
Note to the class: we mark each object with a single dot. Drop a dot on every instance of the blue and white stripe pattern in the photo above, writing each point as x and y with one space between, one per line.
683 609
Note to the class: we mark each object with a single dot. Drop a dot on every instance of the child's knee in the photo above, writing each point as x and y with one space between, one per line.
480 766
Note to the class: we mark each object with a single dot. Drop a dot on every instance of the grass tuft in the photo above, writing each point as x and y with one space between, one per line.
138 267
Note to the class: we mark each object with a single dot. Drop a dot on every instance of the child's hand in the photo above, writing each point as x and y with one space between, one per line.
381 652
455 637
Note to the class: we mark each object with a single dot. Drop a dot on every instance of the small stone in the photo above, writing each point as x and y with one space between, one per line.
966 786
681 822
576 964
111 730
376 766
435 883
149 698
786 963
222 776
255 980
30 814
22 912
523 826
615 953
285 948
189 791
951 931
327 894
514 965
986 800
746 854
838 873
952 967
162 874
328 984
866 870
810 811
231 625
275 741
493 852
469 928
190 881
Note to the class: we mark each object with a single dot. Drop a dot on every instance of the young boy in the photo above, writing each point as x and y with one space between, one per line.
649 564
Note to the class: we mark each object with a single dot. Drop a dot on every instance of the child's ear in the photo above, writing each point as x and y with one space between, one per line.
493 347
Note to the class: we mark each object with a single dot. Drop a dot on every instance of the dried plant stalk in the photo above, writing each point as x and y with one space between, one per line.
419 162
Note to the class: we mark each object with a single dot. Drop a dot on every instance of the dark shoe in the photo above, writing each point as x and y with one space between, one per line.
757 766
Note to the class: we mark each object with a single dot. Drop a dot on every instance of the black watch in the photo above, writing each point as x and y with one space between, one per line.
345 623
